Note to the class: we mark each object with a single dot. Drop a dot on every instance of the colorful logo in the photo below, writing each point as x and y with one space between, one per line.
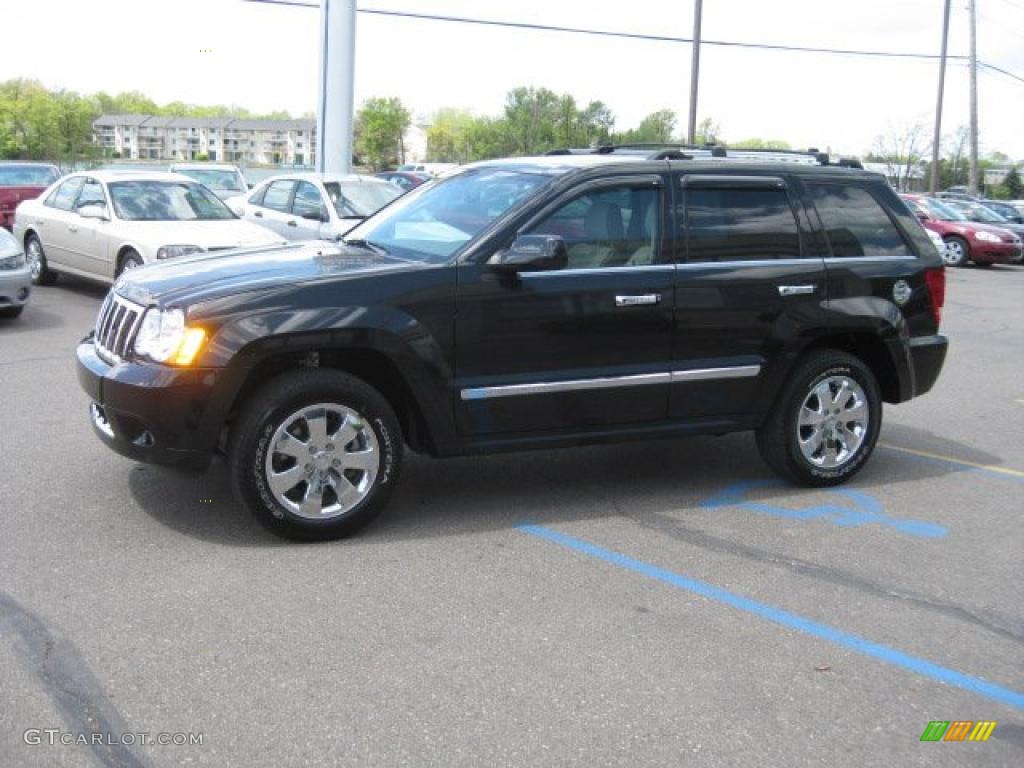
958 730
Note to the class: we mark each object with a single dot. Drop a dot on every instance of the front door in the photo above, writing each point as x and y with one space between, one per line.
750 281
308 212
578 348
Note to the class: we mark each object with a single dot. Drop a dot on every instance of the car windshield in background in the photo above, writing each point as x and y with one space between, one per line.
941 211
976 212
217 179
27 176
433 221
359 200
166 201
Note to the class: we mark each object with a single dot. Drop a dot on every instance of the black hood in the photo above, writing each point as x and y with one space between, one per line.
208 276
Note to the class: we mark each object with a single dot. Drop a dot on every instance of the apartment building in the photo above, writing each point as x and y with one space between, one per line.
258 142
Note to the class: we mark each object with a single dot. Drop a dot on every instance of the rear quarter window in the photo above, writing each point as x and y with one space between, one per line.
855 222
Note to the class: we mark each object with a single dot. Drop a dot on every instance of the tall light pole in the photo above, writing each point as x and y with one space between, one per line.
933 182
695 71
337 86
972 177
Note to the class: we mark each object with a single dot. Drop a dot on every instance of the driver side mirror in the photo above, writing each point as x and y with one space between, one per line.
532 252
94 211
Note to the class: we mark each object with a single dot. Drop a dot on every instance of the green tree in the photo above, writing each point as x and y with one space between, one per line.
757 143
531 115
1012 184
380 130
656 128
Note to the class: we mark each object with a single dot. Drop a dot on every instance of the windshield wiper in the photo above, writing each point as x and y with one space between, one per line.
360 243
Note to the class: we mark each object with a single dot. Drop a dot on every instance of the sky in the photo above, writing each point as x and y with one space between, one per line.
265 58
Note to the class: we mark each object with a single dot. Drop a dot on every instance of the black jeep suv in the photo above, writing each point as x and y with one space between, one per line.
530 303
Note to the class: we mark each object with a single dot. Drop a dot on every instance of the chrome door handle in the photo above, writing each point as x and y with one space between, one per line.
638 300
795 290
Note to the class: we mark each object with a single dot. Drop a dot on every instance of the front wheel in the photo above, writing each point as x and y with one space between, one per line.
316 454
957 252
826 421
36 258
130 260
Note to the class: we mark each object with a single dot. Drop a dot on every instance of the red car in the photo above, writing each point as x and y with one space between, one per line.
984 244
22 181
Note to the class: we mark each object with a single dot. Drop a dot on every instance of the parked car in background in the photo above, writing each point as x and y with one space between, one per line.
1005 209
1019 205
314 206
956 193
404 180
431 169
225 180
966 240
15 279
22 181
96 224
983 214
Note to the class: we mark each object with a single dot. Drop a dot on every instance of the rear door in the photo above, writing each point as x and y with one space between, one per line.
749 284
53 227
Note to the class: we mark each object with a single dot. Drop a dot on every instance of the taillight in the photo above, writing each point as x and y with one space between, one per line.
935 279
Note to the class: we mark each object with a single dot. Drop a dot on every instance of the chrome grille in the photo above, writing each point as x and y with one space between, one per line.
116 326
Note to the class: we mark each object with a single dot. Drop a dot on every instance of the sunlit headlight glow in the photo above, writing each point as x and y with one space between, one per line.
988 237
164 337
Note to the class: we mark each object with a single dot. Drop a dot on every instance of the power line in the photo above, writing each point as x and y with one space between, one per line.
646 37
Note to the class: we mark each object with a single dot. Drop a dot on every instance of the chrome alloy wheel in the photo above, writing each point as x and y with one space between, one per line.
955 254
34 257
832 422
322 461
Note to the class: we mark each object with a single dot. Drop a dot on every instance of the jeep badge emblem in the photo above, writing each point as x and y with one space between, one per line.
901 291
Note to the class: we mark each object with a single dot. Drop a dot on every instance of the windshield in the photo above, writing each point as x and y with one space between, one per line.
27 176
216 179
941 211
433 221
977 212
166 201
358 199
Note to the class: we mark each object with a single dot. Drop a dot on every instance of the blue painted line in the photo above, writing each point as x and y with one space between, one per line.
786 619
865 509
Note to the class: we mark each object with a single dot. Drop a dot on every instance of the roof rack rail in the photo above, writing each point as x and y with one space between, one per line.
672 151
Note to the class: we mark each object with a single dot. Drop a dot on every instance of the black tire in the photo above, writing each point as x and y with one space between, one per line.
958 252
130 259
269 408
777 439
9 313
42 275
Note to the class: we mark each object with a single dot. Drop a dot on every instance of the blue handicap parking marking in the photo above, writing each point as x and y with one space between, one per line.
849 509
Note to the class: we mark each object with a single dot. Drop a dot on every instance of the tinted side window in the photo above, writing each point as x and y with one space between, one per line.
740 224
855 223
277 196
92 194
307 200
607 228
64 196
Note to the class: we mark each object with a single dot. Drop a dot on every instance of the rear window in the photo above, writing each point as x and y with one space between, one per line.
742 224
855 222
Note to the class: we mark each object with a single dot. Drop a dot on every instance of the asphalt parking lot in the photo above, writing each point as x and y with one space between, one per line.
650 604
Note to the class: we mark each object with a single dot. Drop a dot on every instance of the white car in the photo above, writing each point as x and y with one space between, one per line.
226 181
313 206
96 224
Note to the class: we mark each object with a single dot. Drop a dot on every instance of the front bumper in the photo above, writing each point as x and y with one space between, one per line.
927 354
153 413
15 287
995 253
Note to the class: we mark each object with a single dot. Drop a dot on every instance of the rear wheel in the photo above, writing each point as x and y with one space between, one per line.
957 252
36 259
826 421
316 454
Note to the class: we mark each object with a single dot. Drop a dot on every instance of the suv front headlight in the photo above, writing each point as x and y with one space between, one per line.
988 237
17 261
164 337
174 251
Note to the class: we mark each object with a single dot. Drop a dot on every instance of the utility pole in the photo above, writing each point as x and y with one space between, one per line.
337 86
933 183
695 71
972 178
